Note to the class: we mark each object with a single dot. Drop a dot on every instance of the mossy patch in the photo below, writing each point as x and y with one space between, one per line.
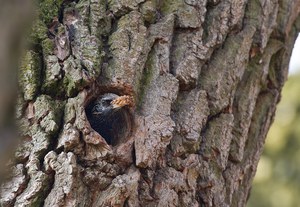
29 75
48 9
38 32
48 46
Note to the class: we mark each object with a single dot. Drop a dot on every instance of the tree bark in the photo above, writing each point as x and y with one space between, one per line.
205 75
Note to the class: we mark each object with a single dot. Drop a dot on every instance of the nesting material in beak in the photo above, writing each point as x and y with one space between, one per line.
123 101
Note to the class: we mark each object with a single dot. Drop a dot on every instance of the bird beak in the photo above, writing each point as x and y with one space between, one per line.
116 106
122 101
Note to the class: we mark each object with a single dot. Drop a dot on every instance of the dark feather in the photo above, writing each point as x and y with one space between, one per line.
104 119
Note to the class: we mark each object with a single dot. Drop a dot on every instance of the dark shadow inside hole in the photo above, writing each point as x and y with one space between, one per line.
114 125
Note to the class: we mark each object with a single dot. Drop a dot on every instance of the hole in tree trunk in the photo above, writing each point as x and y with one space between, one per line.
110 118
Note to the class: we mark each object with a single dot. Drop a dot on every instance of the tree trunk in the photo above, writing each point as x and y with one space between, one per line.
205 76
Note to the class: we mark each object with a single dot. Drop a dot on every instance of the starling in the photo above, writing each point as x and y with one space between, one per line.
107 116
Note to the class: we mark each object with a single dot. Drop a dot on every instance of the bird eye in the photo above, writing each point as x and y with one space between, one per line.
106 102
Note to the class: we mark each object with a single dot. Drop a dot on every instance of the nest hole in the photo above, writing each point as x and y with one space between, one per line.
115 125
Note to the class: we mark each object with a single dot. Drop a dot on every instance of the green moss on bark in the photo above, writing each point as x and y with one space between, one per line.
29 75
49 9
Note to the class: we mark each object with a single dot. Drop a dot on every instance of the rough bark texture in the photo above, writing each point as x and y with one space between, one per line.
206 76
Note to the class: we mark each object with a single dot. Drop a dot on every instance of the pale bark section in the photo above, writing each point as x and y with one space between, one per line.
206 77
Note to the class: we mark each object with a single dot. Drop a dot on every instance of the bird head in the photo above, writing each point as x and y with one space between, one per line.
110 102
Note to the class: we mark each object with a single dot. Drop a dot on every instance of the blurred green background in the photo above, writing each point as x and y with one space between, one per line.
277 180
